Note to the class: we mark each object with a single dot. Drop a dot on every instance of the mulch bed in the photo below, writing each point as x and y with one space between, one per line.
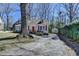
71 44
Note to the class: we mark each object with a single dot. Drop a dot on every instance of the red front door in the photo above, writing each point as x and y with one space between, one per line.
33 29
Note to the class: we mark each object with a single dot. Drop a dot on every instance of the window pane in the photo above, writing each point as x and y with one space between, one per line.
46 27
40 28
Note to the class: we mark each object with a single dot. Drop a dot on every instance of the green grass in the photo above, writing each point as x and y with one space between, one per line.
8 40
8 37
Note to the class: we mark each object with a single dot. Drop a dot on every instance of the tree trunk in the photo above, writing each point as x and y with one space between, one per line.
7 23
71 11
23 19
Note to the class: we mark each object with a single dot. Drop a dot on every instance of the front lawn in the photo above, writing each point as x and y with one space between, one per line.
7 35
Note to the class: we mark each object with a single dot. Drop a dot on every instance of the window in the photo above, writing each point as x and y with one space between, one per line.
43 27
46 27
40 28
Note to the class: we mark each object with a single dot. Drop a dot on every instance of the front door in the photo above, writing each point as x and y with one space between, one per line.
33 29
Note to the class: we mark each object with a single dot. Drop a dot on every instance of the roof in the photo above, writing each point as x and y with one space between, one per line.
37 21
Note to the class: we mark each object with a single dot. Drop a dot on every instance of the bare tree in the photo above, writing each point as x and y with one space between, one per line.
6 11
30 9
42 10
71 10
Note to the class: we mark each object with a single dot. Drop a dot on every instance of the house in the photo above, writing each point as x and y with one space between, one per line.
37 26
1 25
17 26
33 26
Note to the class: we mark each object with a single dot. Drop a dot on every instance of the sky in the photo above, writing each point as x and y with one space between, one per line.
15 13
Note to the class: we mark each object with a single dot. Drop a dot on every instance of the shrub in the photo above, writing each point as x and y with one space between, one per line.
50 28
71 31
